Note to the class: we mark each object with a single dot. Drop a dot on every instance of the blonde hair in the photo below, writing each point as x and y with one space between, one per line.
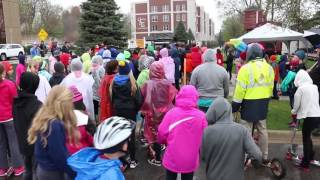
58 106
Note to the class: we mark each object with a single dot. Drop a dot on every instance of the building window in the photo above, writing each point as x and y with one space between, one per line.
154 18
178 7
166 27
178 17
183 7
154 28
154 8
165 18
183 17
165 8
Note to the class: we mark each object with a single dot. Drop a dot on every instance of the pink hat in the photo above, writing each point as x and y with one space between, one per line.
77 96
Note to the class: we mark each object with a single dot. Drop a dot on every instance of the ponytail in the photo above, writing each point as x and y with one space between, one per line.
2 70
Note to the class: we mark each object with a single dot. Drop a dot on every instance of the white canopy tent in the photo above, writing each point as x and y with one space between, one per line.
270 33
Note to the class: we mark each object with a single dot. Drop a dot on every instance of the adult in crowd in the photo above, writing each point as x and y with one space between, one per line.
230 59
21 68
25 107
195 57
225 143
58 75
168 63
83 82
43 49
210 79
253 91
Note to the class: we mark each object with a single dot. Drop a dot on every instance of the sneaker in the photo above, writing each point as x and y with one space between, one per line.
3 172
133 164
18 171
10 171
315 163
154 162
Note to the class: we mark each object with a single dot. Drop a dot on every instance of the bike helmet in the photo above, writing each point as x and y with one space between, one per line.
112 132
254 51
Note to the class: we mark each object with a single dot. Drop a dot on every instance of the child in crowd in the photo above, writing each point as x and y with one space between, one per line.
126 103
54 124
21 68
86 139
105 101
154 108
168 64
144 65
8 138
174 53
110 144
182 122
220 58
306 107
43 71
97 73
44 87
25 107
58 75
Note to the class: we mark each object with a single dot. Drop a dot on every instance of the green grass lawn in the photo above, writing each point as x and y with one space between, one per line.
279 115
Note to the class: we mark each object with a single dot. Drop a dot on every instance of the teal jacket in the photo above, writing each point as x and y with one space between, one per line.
287 81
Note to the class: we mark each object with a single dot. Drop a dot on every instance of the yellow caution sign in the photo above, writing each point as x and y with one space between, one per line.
43 35
140 43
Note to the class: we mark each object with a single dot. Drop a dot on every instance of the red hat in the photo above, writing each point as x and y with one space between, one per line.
294 62
7 66
273 58
243 55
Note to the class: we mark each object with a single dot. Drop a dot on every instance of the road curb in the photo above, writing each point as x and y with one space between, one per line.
277 136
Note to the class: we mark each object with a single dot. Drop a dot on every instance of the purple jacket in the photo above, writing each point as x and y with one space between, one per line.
181 130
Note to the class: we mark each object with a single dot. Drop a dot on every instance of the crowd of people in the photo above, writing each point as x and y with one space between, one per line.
75 117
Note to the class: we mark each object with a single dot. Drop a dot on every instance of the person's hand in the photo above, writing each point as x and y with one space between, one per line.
294 116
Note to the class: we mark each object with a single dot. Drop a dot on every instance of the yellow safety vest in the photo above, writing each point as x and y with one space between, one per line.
255 81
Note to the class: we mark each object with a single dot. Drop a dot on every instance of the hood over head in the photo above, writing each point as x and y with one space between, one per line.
106 54
114 53
29 82
187 97
22 59
254 51
210 56
58 67
121 57
86 57
157 70
164 52
195 49
88 164
127 54
97 60
145 62
220 111
76 65
302 78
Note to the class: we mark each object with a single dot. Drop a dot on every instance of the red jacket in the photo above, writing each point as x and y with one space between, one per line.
105 101
220 60
65 58
86 140
196 57
8 91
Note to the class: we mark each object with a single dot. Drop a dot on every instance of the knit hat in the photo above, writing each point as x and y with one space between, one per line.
301 54
121 57
127 54
124 68
76 65
209 56
58 67
7 66
29 82
77 96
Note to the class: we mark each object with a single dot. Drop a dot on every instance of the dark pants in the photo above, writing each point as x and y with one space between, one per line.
229 70
9 145
96 107
309 124
29 165
129 114
177 84
173 176
275 91
49 175
157 150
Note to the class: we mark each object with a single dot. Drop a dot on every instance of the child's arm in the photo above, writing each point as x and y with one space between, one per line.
297 101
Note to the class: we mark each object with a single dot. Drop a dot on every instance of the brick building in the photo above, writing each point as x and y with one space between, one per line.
157 19
9 22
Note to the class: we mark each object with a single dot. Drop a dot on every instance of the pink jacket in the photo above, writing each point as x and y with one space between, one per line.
8 91
182 129
168 63
19 70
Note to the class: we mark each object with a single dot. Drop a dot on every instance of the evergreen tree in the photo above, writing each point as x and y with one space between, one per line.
99 23
190 36
180 34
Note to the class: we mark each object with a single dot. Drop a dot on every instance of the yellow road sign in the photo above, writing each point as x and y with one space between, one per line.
43 35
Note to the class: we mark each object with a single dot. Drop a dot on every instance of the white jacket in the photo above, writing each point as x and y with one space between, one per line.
306 98
43 89
84 84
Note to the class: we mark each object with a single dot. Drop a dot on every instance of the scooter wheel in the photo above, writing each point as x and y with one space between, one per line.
277 168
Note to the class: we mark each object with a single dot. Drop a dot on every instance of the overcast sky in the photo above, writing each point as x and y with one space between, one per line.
209 5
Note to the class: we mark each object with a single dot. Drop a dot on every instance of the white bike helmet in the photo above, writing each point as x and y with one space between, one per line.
112 132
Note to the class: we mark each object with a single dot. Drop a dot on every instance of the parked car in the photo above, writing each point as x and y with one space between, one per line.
10 50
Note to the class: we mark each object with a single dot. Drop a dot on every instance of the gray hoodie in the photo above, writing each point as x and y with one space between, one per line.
225 143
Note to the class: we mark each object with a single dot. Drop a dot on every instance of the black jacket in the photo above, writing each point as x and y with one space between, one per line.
56 79
25 107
